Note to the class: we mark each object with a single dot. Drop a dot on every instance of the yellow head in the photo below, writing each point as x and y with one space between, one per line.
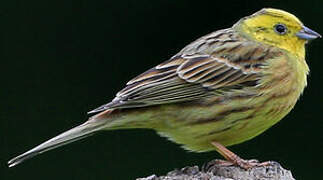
278 28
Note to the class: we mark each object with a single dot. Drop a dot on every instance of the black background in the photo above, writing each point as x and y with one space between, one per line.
61 59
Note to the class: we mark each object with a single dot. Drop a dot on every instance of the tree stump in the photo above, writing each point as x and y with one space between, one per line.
213 171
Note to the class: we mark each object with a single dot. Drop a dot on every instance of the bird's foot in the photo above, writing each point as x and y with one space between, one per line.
233 159
245 164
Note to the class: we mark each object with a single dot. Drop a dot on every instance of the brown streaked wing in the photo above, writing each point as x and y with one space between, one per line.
158 85
216 74
180 79
218 62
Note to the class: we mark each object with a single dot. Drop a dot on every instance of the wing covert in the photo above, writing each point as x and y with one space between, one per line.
232 64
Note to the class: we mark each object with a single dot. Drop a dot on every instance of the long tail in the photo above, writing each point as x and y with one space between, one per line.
74 134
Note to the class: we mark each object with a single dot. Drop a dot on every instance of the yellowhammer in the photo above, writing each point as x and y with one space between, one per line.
222 89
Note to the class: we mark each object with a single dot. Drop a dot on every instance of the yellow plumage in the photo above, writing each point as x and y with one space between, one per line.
224 88
281 80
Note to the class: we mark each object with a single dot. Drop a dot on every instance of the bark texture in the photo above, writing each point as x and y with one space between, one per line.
214 171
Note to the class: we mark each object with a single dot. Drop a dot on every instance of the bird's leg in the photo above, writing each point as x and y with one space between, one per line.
233 159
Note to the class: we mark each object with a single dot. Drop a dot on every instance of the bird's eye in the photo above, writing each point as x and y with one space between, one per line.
280 29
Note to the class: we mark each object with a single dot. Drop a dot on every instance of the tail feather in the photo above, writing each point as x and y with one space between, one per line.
74 134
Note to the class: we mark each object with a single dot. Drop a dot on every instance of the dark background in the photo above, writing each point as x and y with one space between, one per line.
61 59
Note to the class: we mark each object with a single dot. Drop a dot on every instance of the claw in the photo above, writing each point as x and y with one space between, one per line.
233 159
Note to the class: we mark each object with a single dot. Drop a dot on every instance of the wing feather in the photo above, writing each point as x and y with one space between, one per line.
191 76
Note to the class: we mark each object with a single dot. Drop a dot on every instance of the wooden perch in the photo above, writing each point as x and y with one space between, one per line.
212 171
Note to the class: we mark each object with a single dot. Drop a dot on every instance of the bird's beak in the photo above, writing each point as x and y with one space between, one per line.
307 34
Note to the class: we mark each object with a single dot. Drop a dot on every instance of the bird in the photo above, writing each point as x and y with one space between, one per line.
222 89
